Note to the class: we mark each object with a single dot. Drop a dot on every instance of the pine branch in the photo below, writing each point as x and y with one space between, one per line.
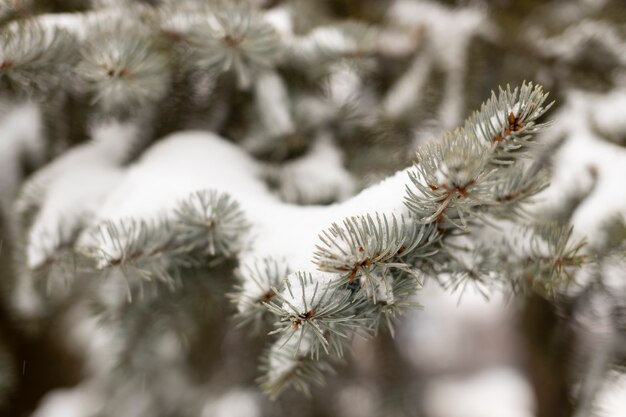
352 43
548 265
363 243
316 307
209 224
235 37
456 177
206 226
33 58
260 281
460 180
123 69
280 368
11 9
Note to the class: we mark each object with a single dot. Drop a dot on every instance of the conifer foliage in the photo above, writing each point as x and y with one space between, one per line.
183 159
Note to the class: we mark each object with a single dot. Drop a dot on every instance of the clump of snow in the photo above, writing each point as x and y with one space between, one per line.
280 18
344 85
608 115
303 294
79 24
587 161
80 401
178 20
322 40
71 188
272 103
286 353
378 286
447 35
259 277
405 92
317 177
186 162
69 201
21 139
570 44
610 401
171 171
397 43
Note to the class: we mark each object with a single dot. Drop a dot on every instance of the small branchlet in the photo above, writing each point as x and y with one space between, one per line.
235 37
475 266
124 69
472 173
365 286
516 187
469 170
315 306
280 368
207 225
138 248
364 243
260 281
509 121
138 235
549 263
395 296
33 58
450 173
352 43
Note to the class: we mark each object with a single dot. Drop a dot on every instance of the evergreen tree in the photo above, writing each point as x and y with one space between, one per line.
203 201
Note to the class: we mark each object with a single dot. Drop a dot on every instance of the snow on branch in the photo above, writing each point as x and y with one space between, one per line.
393 235
206 225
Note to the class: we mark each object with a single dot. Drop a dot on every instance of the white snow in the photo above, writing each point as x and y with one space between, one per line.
80 401
85 333
608 115
317 177
344 85
611 401
448 33
280 18
21 138
405 92
302 294
237 402
582 153
323 40
576 39
256 275
272 104
78 24
493 392
190 161
285 352
72 188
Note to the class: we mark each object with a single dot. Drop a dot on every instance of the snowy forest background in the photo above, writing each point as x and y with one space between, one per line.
322 99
